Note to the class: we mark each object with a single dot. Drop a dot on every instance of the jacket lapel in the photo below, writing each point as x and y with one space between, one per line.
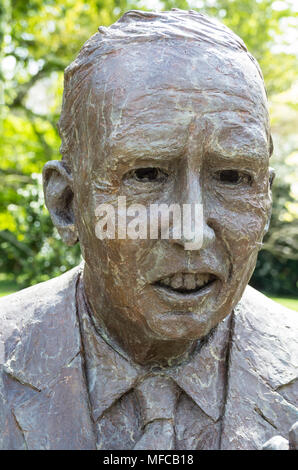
45 373
204 377
262 370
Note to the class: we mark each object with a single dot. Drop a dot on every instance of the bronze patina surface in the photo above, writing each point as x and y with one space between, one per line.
148 344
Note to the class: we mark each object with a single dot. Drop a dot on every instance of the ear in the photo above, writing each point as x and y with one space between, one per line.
271 176
271 179
57 187
271 146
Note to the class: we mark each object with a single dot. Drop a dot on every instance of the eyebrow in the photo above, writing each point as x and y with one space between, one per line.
247 155
124 155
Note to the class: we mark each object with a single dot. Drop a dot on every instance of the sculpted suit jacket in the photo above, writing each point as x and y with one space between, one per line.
44 396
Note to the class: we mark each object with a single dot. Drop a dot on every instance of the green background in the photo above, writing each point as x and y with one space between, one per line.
39 38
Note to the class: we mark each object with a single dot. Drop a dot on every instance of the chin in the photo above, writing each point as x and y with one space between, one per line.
182 326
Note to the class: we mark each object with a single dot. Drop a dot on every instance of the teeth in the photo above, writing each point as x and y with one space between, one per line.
202 279
189 281
186 281
177 281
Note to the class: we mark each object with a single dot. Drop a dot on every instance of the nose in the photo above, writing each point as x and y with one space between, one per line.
196 234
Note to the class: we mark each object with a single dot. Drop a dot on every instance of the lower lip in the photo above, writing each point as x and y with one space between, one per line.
192 297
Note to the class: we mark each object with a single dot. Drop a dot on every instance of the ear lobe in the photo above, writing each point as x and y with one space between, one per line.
271 176
57 186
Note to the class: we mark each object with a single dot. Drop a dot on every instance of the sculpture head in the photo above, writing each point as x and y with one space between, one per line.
164 108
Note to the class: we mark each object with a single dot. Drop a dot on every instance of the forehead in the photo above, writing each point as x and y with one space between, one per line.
152 95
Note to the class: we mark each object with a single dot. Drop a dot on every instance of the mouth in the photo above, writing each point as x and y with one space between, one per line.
187 283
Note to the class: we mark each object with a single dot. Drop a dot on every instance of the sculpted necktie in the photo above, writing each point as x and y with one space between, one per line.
157 396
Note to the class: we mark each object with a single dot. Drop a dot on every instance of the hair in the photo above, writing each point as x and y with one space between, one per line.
134 27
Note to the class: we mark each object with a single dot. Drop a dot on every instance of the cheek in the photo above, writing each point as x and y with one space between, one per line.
84 217
122 278
243 234
240 223
120 266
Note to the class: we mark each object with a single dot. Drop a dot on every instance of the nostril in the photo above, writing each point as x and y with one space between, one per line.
208 234
207 238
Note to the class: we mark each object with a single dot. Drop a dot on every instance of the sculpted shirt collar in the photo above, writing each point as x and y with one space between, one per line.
110 374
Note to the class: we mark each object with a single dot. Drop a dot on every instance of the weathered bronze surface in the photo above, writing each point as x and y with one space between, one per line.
148 345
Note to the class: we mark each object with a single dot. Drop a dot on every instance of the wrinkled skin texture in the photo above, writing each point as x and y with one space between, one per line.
200 112
178 94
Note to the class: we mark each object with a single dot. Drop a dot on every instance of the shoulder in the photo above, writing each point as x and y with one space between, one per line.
262 386
38 336
267 333
39 304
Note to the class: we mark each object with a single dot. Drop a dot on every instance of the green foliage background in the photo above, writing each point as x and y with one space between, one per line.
39 38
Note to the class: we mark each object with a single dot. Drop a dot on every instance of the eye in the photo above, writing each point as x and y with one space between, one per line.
233 177
147 175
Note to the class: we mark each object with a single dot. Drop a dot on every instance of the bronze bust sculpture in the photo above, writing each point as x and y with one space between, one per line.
148 344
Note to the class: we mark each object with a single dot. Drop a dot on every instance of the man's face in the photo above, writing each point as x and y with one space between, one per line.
177 123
